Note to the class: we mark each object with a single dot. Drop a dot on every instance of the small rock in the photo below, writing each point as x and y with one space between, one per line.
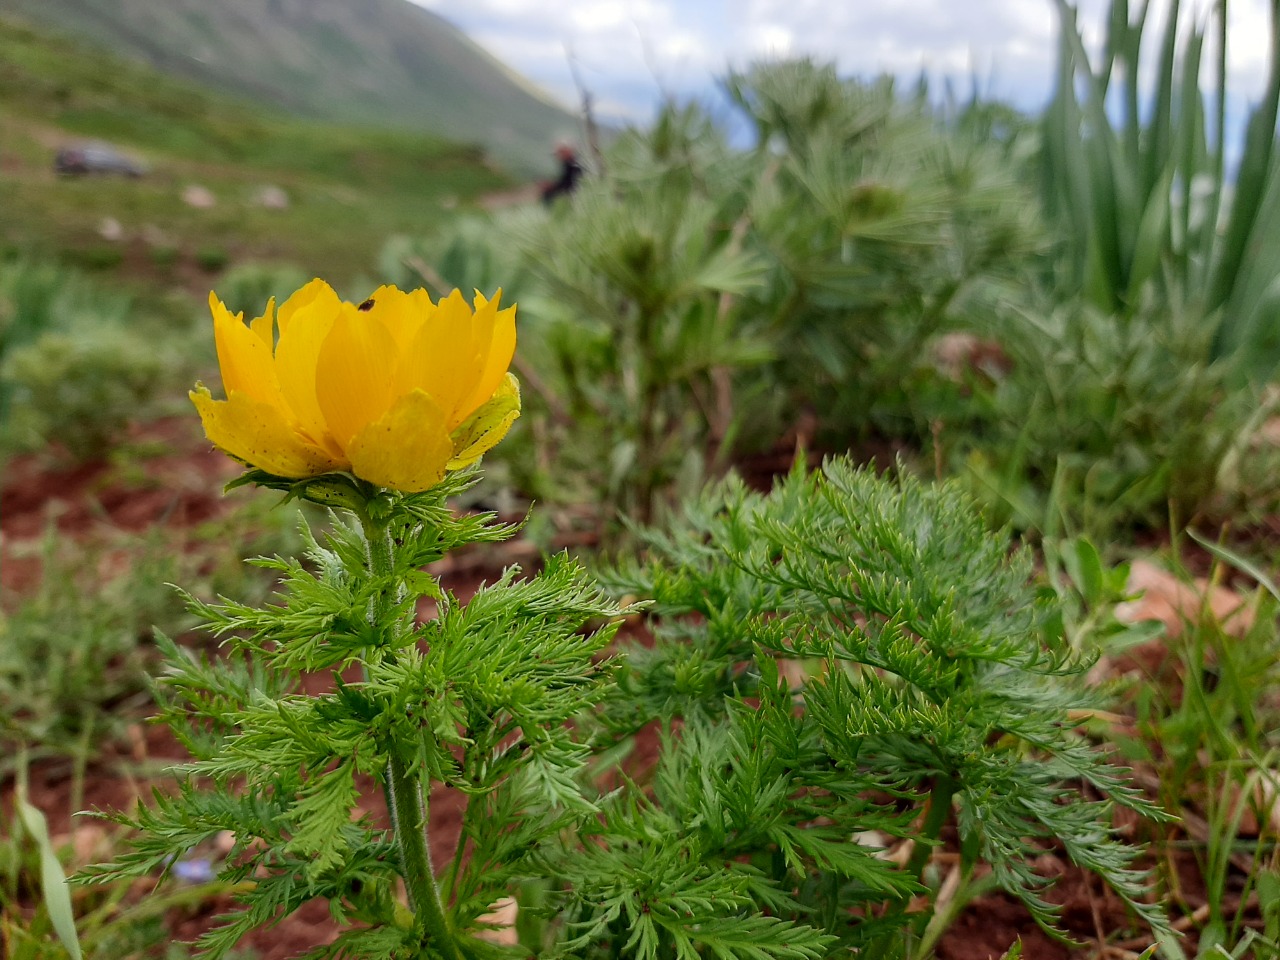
880 844
201 198
110 229
1268 434
272 197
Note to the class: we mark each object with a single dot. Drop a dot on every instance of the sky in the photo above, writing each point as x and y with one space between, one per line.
632 53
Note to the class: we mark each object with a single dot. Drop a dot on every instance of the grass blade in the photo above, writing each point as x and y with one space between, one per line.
1251 182
1241 563
53 881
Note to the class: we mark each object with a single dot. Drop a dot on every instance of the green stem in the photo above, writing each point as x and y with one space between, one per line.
648 457
944 790
968 891
407 803
409 821
940 798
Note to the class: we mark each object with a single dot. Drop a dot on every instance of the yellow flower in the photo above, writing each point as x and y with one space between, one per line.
396 390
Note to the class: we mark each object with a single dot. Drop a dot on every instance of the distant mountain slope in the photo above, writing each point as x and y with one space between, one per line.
378 62
337 191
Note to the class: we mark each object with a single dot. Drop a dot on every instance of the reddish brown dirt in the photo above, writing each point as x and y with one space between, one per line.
181 485
178 485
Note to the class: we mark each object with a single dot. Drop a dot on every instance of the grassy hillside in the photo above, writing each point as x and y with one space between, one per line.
382 62
347 188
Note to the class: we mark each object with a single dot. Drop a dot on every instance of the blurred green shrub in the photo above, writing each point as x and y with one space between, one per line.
637 333
79 360
98 257
37 296
1109 425
75 651
80 389
164 256
692 301
247 287
473 255
885 222
212 259
38 299
71 659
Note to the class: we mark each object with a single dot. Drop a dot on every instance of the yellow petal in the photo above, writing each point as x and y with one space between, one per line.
256 433
444 359
484 428
354 374
315 299
502 347
401 313
297 354
421 302
264 326
243 358
406 449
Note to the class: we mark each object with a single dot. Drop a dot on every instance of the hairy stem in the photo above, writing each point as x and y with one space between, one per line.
409 821
406 800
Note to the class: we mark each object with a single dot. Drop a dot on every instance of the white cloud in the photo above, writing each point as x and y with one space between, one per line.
767 39
631 52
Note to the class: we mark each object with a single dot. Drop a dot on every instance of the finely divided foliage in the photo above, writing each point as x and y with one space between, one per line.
927 677
478 698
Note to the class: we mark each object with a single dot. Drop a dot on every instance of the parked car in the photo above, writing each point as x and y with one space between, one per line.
82 158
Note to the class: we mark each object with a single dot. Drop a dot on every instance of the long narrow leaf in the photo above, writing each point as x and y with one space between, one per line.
1251 326
1255 172
1189 144
1160 131
1243 564
1220 133
53 882
1153 232
1113 206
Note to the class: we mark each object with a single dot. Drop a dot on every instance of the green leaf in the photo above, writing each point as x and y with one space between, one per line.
730 271
1153 235
1084 564
1227 555
935 663
53 882
318 818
